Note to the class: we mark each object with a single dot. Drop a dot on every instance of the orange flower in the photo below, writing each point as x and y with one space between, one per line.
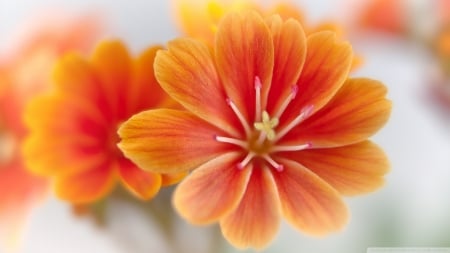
73 130
274 128
24 72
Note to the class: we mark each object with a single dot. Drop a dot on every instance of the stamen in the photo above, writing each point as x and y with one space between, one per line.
287 101
277 166
240 116
258 86
291 148
303 115
237 142
246 160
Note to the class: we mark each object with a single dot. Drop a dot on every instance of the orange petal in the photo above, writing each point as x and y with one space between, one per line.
309 203
326 68
357 111
290 53
63 113
88 186
78 136
256 220
244 50
352 170
212 190
169 141
143 184
112 65
187 72
77 81
145 92
170 179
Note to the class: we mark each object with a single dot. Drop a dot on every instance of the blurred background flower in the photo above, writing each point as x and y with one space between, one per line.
72 130
25 72
411 210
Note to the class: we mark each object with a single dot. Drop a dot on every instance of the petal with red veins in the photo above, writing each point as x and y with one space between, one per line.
352 170
169 141
309 203
255 222
326 68
244 50
355 113
212 190
290 53
186 71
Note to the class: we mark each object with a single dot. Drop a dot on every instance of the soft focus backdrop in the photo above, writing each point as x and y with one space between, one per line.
413 209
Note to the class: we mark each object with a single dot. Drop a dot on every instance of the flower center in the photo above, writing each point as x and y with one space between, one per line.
262 138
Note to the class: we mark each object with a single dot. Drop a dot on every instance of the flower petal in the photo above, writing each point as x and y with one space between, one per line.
48 116
212 190
326 68
88 186
290 53
256 220
357 111
244 50
170 179
352 170
144 91
112 65
74 77
187 73
143 184
169 141
309 203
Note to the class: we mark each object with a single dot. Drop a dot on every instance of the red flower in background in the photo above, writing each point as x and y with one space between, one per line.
390 16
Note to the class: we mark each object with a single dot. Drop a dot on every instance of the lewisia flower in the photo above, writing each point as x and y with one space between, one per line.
24 72
273 128
73 130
